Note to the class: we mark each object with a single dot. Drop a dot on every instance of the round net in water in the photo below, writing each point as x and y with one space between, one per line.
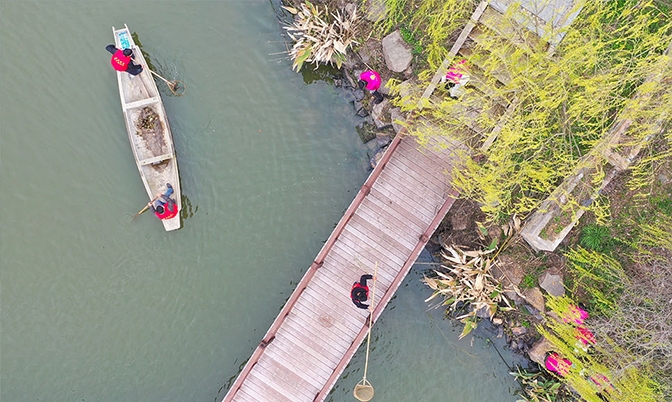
363 391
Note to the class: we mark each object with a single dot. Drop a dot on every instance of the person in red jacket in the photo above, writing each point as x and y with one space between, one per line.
122 60
164 207
360 292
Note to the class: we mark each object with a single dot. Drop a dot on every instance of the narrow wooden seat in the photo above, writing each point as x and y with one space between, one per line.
156 159
141 103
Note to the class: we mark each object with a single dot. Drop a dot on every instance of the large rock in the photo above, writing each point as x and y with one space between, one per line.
552 284
518 331
535 298
397 53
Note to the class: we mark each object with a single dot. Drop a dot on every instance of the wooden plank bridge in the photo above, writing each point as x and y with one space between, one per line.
388 224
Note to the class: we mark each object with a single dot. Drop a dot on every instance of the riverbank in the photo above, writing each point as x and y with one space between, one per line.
535 277
393 58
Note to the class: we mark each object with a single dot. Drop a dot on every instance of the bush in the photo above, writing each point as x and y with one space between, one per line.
596 237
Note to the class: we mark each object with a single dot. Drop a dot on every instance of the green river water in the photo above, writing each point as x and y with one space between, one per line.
94 307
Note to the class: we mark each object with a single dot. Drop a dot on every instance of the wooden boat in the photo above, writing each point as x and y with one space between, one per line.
148 128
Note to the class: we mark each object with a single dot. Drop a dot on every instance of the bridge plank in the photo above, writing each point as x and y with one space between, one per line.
287 350
258 386
286 378
383 202
368 252
310 326
384 276
410 200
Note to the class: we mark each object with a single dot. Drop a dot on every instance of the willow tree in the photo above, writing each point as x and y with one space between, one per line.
564 104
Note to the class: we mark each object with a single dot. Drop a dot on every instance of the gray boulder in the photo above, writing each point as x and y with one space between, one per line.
552 284
535 298
397 53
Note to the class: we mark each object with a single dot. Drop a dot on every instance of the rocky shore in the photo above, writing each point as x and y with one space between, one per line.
393 58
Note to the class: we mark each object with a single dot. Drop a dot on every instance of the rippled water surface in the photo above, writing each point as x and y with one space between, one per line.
97 308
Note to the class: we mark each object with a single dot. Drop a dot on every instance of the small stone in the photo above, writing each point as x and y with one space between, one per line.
375 10
535 313
497 321
483 312
552 284
372 146
513 345
538 351
383 140
518 331
350 8
396 117
362 112
377 157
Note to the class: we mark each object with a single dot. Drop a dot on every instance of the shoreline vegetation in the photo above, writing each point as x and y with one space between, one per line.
595 314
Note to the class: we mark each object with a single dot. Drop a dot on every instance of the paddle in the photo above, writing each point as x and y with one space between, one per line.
172 85
146 206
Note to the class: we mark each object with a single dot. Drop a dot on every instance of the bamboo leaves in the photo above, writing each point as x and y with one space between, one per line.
320 37
467 279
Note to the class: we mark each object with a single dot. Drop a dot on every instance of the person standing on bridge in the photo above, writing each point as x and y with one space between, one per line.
360 292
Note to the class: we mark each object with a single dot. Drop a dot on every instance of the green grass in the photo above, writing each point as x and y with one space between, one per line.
409 37
663 204
596 237
529 281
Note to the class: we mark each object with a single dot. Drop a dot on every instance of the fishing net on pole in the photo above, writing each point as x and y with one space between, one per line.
364 390
177 87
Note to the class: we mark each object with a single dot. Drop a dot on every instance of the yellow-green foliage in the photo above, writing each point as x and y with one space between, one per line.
438 19
394 15
598 275
656 234
625 380
566 103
